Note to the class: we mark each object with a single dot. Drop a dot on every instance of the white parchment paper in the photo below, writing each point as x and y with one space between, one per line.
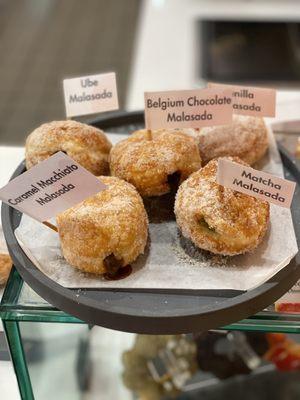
170 261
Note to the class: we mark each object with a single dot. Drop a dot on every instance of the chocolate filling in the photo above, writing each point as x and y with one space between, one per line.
174 180
112 265
115 269
121 274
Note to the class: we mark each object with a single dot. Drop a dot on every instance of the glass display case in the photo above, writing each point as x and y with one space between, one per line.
42 337
58 356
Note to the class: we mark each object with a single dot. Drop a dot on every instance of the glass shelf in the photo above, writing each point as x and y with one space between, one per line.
21 303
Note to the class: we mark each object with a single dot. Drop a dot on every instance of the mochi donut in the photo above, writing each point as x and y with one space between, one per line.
105 232
155 162
219 219
85 144
246 137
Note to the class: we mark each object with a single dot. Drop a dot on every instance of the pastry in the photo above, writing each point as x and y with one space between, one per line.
5 267
219 219
155 162
246 137
105 232
85 144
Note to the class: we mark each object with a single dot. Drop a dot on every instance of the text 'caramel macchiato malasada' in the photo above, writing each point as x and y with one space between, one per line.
155 162
85 144
105 232
219 219
246 137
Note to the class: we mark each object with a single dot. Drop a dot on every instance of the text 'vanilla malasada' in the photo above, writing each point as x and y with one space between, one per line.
255 183
50 187
253 101
187 108
90 94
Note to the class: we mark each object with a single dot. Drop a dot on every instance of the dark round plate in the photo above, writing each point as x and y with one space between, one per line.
154 312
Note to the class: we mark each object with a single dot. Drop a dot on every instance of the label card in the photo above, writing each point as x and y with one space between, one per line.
253 101
188 108
255 183
90 94
50 187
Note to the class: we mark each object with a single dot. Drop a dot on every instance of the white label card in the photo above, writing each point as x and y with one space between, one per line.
90 94
187 108
50 187
255 183
246 100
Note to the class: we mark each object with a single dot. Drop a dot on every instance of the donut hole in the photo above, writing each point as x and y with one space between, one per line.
174 180
112 265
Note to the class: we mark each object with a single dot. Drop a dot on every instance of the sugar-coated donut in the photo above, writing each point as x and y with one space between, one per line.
219 219
155 162
246 137
85 144
104 232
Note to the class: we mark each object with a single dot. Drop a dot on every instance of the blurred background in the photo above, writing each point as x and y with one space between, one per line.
151 45
45 41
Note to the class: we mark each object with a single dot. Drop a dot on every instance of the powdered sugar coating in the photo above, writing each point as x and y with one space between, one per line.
113 221
147 161
246 138
87 145
219 219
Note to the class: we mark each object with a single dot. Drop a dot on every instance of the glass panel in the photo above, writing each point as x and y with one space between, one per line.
57 358
72 362
210 365
29 306
29 297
